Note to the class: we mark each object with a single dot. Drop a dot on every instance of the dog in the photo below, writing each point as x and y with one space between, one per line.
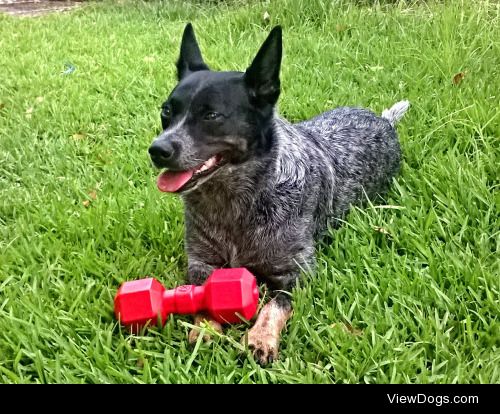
259 191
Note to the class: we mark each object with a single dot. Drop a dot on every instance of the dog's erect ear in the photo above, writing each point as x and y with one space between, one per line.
190 59
263 75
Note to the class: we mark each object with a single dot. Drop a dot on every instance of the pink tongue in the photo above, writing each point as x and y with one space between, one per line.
171 181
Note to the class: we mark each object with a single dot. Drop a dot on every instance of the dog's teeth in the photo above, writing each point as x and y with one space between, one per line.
201 169
210 163
207 165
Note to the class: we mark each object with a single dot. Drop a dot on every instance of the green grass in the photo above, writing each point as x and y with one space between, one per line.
80 213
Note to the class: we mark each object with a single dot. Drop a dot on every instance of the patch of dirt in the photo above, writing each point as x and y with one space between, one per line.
26 8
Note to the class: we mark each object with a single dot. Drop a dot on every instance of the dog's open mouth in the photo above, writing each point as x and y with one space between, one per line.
173 181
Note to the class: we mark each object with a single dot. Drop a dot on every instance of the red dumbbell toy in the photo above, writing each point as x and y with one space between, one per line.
226 294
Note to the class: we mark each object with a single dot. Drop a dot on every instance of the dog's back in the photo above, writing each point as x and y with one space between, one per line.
339 158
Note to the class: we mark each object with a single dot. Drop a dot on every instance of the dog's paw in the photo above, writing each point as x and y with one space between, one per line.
264 338
199 320
263 345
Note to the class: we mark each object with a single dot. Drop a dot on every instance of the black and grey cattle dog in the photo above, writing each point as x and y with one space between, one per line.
257 190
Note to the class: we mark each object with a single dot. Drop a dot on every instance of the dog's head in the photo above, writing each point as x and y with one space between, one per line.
212 119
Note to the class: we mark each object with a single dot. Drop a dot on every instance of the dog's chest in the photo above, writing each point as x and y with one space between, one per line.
226 239
237 238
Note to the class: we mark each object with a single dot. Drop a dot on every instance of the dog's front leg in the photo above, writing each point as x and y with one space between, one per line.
198 272
263 338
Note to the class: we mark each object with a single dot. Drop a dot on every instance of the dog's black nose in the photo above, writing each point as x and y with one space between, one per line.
161 151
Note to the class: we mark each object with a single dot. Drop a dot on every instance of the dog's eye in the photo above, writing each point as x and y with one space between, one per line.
166 112
212 116
166 115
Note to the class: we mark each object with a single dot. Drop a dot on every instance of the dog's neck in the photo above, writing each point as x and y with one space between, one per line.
240 184
289 141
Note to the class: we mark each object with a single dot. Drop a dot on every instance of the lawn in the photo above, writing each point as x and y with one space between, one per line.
405 292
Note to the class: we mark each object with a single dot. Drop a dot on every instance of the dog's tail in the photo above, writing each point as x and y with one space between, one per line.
396 112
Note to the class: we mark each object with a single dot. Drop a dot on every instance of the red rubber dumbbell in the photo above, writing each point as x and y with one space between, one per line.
226 294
